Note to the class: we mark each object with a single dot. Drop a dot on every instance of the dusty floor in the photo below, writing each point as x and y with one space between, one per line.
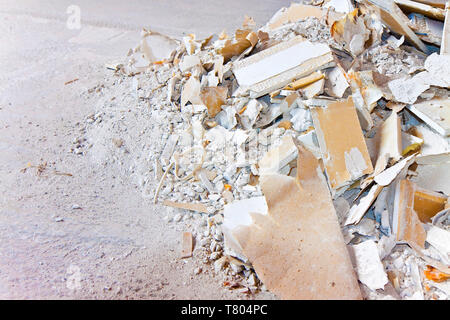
90 235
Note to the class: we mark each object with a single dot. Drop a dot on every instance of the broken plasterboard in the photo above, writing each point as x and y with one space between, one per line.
427 29
428 203
277 158
187 245
277 66
357 211
341 142
435 112
297 12
445 44
405 222
395 19
425 9
287 247
157 47
389 143
434 177
439 239
368 265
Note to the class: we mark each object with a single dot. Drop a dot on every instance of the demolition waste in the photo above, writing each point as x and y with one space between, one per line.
309 157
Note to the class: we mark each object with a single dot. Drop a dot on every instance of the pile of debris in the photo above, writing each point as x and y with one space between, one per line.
317 146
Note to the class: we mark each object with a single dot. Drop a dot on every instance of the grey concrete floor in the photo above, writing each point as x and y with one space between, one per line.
118 246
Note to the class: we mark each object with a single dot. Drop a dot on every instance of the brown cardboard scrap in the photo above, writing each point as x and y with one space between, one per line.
406 224
187 245
198 207
428 203
395 19
435 112
425 9
341 142
277 66
297 249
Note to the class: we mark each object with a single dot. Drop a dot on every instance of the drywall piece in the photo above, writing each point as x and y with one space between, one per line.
187 245
336 83
434 3
433 159
357 211
445 44
439 239
351 32
198 207
407 90
433 172
277 158
303 82
157 47
297 249
428 203
277 66
406 224
385 177
410 143
191 92
213 98
189 62
309 140
314 89
297 12
437 70
341 142
369 268
389 143
237 215
392 16
433 142
169 149
435 112
360 103
425 9
342 6
245 40
433 177
427 29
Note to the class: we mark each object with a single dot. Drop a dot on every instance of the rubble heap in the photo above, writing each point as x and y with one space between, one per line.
317 146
